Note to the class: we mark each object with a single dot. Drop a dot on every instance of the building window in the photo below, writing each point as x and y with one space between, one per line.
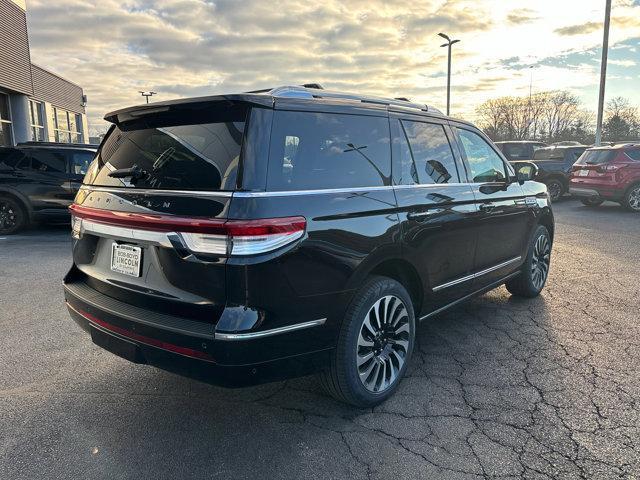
67 126
37 121
5 121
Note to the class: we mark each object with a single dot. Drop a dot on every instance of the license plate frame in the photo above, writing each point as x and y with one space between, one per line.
126 259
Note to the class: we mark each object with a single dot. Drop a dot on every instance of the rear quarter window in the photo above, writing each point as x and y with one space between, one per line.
313 151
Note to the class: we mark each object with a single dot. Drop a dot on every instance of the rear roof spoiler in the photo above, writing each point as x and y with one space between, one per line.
133 113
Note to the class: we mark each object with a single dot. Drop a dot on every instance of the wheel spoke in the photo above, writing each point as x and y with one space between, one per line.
362 359
364 376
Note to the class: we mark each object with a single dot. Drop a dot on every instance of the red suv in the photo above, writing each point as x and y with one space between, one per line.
608 173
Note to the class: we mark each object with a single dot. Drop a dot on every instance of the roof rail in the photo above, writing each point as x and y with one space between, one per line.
295 91
315 86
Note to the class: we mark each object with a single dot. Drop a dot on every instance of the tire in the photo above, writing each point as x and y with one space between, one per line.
383 359
591 202
555 189
632 198
535 269
13 216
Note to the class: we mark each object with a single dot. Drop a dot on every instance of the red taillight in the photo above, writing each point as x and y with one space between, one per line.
154 221
204 235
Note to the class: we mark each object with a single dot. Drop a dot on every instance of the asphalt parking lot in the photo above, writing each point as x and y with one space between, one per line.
498 388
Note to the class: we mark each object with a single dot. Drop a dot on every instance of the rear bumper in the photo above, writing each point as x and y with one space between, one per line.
592 191
191 348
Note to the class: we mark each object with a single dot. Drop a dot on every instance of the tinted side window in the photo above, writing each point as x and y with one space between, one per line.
49 161
80 162
484 162
321 150
633 155
516 151
11 158
430 153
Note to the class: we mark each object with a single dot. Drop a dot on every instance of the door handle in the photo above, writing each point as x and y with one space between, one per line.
423 214
418 215
487 207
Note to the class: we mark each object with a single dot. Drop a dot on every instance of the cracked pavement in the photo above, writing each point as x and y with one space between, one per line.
498 388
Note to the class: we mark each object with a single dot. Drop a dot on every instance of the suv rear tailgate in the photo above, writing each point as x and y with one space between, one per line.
145 218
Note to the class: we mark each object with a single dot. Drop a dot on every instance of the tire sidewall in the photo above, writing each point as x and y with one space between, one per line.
560 189
375 289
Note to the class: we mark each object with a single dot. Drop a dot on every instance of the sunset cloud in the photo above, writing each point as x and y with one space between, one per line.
178 48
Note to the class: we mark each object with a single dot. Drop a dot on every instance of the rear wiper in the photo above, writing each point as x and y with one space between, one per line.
135 173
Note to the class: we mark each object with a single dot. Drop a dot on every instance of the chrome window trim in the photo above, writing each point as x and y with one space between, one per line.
466 278
284 193
268 333
280 193
147 191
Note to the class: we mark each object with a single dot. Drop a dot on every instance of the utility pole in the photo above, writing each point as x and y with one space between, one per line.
530 106
147 94
603 71
448 45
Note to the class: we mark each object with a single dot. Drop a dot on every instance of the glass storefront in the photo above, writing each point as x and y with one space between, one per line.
67 126
36 114
5 121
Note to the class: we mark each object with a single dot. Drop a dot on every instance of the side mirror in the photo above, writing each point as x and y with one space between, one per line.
525 171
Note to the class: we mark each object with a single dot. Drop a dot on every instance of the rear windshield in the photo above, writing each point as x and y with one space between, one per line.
548 154
312 151
188 150
519 151
596 157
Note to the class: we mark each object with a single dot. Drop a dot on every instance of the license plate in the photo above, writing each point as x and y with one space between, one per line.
126 259
583 173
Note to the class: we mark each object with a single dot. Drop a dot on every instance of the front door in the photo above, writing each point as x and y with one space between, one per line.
436 209
503 213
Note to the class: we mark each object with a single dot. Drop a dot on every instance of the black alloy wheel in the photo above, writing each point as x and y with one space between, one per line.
12 217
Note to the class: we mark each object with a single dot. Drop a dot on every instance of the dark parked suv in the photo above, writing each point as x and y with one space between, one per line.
519 149
554 167
38 182
246 238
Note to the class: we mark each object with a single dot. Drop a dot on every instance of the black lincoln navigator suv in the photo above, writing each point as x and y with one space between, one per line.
246 238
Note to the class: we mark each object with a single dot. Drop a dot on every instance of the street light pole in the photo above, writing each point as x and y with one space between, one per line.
448 45
603 71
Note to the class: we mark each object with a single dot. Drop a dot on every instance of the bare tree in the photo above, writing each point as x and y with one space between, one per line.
549 116
622 121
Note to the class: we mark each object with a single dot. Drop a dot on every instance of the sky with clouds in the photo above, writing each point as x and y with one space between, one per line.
180 48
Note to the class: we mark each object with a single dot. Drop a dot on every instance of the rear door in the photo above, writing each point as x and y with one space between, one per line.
141 238
503 220
45 182
436 208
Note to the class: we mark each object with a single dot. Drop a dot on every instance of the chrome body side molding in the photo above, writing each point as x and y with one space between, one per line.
477 274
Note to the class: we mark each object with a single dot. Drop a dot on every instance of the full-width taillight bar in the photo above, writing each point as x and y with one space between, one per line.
203 235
